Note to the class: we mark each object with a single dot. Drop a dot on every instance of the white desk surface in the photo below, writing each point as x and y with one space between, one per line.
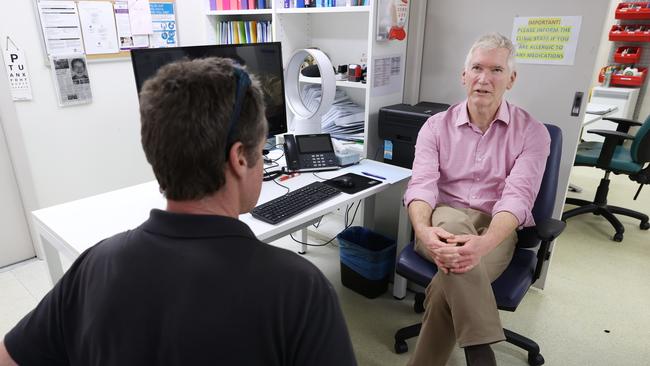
594 112
73 227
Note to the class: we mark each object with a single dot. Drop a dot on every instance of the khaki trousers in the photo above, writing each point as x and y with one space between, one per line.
461 307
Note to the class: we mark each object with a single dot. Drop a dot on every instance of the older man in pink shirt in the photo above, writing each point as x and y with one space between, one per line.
476 173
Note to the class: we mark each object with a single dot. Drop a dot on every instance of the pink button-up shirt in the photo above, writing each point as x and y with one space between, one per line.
499 170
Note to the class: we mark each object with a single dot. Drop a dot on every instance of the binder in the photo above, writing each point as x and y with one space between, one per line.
300 3
242 31
247 25
244 4
254 30
213 5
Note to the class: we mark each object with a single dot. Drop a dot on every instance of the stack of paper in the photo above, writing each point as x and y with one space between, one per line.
345 120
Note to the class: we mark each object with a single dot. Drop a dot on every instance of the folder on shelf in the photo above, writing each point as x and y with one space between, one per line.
242 32
254 31
213 5
244 4
247 25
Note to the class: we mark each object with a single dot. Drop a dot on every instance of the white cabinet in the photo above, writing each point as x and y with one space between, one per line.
347 34
624 99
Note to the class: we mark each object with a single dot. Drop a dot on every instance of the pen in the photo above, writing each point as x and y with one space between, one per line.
373 175
283 178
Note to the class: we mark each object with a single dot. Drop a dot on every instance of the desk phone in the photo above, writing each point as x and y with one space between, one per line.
307 153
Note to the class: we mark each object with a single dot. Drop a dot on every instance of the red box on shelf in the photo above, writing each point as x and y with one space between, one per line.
627 55
630 33
633 11
625 80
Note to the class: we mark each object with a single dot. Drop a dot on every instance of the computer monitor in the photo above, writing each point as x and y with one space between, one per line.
264 60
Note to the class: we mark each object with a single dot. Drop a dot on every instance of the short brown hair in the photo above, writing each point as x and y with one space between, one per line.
185 111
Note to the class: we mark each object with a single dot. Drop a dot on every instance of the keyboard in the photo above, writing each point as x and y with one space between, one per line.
293 203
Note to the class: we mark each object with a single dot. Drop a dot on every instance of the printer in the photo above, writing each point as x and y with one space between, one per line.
399 125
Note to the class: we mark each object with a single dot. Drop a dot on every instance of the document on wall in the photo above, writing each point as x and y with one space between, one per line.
71 79
140 16
546 40
127 39
387 75
17 72
98 27
60 27
164 25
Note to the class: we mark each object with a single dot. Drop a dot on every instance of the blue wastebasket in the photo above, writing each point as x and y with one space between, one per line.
367 260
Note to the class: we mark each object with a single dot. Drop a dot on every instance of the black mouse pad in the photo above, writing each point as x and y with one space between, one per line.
360 183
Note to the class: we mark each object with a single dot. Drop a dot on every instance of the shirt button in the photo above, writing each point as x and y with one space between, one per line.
474 197
479 159
477 179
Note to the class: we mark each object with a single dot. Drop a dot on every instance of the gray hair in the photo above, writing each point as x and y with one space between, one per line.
492 41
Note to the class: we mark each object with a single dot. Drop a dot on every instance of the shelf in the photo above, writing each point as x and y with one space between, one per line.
340 83
632 56
640 10
625 80
630 33
332 9
240 12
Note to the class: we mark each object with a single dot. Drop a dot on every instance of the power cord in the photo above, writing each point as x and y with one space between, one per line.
347 225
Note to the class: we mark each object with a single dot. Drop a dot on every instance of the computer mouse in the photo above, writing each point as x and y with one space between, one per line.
343 182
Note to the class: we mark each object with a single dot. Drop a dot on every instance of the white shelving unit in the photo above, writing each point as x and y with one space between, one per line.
239 12
339 83
347 35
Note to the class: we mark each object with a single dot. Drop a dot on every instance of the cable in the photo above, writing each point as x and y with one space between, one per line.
353 215
315 175
283 186
312 245
347 209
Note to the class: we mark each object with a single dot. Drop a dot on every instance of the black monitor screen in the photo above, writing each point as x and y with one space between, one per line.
264 60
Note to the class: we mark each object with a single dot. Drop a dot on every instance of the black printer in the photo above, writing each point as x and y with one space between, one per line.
399 125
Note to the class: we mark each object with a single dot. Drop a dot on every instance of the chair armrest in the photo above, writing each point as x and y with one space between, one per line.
624 124
612 139
549 229
618 136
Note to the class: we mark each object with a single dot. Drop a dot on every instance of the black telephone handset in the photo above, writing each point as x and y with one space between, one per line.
291 152
309 152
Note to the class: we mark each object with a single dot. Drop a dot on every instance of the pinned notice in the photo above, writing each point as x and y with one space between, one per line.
546 40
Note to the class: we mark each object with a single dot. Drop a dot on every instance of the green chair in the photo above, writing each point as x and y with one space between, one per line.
612 157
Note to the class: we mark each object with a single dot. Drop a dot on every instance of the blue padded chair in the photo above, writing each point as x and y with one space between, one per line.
613 157
525 267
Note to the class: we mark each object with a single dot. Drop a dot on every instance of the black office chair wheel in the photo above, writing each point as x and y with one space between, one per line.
618 237
644 225
401 347
418 306
535 360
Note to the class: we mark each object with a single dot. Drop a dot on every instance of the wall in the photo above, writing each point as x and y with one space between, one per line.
63 154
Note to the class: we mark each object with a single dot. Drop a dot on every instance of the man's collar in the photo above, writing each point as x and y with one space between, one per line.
194 226
503 114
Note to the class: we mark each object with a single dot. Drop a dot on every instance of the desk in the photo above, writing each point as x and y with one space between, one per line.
73 227
598 112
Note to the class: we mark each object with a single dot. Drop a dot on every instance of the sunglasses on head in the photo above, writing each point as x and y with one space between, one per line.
243 83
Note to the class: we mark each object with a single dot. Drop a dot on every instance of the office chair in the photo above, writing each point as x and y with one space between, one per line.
613 157
524 268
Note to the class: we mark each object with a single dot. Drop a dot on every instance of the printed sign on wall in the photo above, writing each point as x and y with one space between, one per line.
546 40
